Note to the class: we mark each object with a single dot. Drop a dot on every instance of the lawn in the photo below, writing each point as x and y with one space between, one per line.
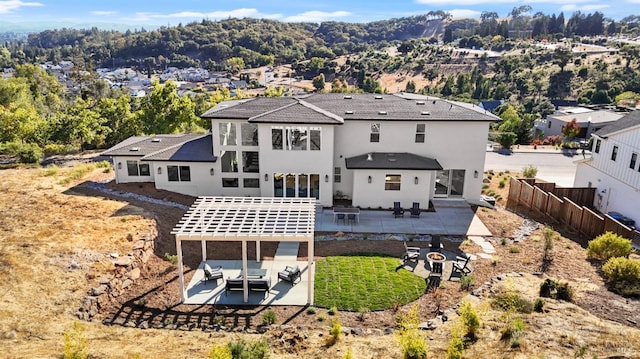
364 282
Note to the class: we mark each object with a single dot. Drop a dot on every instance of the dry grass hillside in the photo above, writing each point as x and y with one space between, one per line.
56 237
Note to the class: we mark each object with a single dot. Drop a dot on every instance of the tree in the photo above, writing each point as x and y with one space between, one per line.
571 129
629 53
235 65
410 87
318 82
562 56
163 111
506 139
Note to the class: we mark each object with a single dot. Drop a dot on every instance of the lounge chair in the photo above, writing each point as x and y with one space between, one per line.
435 245
411 253
214 273
461 265
397 210
415 209
290 274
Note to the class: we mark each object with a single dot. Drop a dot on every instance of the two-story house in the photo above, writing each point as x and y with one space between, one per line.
614 167
367 148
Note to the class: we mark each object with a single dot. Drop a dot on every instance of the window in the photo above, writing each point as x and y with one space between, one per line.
250 183
614 153
548 123
229 161
297 139
597 150
250 162
276 138
179 173
227 134
375 133
420 129
314 136
249 133
138 169
229 182
634 159
392 183
337 175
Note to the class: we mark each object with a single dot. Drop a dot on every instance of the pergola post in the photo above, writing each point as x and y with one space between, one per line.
204 250
258 251
180 267
245 282
310 272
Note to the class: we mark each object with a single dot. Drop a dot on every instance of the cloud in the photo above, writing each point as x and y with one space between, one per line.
103 13
237 13
464 13
584 8
463 2
316 16
7 7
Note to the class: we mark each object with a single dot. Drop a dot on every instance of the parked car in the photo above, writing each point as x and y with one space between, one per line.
623 219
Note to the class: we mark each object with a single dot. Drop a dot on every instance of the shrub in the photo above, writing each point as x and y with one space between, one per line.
511 301
269 317
564 292
322 317
502 183
25 152
75 344
466 281
470 319
412 340
623 275
220 351
362 313
311 310
538 305
609 245
173 259
512 332
255 350
456 345
332 311
514 249
530 171
50 171
335 331
550 288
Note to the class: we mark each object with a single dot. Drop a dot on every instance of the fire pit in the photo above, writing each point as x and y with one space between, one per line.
436 257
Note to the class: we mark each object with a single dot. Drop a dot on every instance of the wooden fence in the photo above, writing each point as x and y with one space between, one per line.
568 206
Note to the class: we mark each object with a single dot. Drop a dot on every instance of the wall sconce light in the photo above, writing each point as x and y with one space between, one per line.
415 180
369 179
266 177
159 170
475 174
212 171
119 165
326 178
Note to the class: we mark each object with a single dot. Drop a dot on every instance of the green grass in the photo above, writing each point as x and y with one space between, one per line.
364 281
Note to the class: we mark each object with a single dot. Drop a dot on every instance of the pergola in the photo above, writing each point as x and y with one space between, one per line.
247 219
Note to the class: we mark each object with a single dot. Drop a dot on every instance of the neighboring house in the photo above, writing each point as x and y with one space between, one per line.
371 149
490 105
614 167
589 121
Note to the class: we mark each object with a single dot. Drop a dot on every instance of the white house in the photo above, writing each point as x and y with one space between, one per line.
614 167
371 149
589 121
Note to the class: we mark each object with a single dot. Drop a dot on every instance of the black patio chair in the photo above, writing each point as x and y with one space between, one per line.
461 266
411 253
351 218
435 245
397 210
415 209
340 217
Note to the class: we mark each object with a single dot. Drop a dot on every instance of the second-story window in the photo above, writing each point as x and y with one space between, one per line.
227 134
420 133
634 159
249 133
314 139
375 133
614 153
297 139
597 149
276 138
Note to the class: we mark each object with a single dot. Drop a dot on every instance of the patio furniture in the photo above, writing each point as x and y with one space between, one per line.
351 218
290 274
254 273
397 210
436 262
346 213
461 265
214 273
415 209
260 285
233 284
435 245
411 253
340 217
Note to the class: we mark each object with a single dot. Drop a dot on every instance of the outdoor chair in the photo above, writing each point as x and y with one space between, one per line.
351 218
415 209
397 210
340 217
290 274
461 265
435 245
214 273
411 253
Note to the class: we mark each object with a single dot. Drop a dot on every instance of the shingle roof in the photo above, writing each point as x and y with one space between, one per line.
330 108
195 150
631 120
392 160
143 145
600 116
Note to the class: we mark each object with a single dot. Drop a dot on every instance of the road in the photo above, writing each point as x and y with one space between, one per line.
552 166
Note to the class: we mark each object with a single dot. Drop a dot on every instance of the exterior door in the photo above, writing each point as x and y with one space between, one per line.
449 183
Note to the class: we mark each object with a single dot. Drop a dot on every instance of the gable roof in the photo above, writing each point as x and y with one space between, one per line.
392 160
595 117
195 150
298 112
629 121
143 145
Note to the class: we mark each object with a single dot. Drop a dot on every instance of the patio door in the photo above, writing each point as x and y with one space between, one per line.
449 183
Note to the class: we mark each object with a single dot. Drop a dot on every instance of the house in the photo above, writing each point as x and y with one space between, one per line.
490 105
369 149
589 121
614 167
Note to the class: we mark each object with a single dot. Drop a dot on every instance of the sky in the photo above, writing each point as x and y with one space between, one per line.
171 12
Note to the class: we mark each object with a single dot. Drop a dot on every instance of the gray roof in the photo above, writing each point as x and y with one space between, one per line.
137 146
631 120
392 160
337 107
594 117
195 150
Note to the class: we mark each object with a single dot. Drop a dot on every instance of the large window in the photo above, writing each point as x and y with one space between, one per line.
614 153
229 182
337 175
314 136
375 133
138 169
250 162
597 149
249 133
179 173
297 139
634 159
276 138
229 161
296 185
227 134
392 182
420 133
